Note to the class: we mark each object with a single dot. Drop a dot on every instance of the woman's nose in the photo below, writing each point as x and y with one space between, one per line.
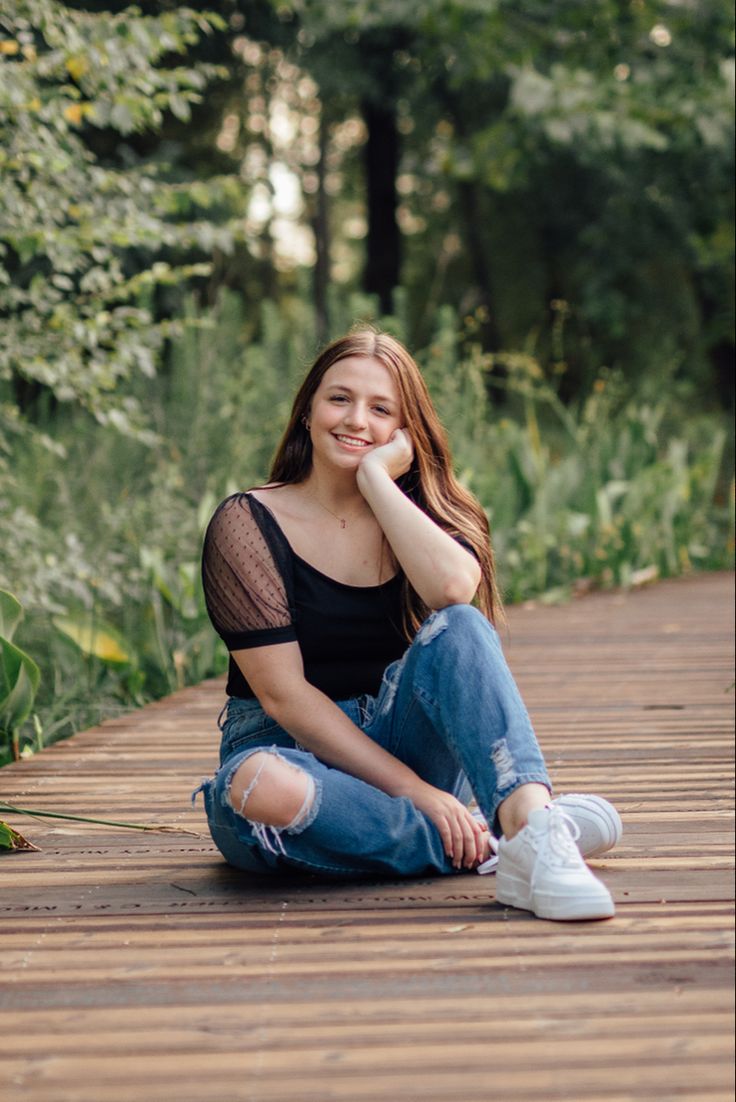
356 415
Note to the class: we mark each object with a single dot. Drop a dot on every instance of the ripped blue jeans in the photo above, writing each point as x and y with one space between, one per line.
449 709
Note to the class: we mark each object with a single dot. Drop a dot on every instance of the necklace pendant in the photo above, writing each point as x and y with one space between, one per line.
342 523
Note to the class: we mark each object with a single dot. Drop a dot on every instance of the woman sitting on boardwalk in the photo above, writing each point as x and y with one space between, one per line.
344 753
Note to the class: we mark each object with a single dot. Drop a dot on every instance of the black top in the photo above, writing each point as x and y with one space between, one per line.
259 591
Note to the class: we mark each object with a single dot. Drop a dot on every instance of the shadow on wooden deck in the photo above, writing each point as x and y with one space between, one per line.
138 966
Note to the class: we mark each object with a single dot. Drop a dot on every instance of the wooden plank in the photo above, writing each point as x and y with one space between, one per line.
141 966
686 1073
147 1037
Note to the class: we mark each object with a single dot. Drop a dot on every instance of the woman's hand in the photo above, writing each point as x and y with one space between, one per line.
439 569
464 838
395 457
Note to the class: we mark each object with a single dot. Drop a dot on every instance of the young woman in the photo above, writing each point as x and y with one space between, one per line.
367 696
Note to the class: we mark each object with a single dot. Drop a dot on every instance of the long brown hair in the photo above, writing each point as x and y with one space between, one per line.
430 482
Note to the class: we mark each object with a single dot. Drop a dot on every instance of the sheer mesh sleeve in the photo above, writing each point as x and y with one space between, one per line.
244 587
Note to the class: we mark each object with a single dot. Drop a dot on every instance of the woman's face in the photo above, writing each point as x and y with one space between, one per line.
355 408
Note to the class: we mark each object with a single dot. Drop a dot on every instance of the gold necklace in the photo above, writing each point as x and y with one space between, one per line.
343 520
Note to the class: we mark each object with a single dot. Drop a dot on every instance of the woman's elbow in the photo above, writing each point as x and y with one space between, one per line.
460 588
280 701
271 704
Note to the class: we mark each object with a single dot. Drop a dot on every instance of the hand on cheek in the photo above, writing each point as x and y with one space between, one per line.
395 456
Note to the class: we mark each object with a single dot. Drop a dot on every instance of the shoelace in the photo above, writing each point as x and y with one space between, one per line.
490 865
557 842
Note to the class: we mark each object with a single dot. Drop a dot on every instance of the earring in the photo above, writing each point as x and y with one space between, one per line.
306 422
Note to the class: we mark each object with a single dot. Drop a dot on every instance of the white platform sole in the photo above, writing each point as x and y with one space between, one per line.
513 891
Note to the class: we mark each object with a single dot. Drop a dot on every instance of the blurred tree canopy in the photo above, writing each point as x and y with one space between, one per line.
81 237
565 167
559 171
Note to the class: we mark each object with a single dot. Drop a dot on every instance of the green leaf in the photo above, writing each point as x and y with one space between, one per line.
19 680
12 839
37 812
95 638
11 614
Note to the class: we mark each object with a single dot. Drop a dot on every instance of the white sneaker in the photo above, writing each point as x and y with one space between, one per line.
598 822
599 826
541 870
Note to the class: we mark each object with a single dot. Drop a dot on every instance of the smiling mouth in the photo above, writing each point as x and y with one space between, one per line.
351 441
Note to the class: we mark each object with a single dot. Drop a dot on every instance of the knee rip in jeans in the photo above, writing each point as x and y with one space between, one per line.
432 627
298 818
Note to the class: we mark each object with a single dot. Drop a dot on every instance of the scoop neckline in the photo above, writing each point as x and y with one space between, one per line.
311 566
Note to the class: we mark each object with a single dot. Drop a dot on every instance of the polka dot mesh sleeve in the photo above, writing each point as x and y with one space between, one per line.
244 589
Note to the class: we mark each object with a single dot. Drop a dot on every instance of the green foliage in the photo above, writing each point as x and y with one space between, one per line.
94 638
574 153
565 186
618 489
19 675
11 839
77 319
611 491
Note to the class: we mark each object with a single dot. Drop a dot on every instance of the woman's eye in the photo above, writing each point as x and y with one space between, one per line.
382 409
338 398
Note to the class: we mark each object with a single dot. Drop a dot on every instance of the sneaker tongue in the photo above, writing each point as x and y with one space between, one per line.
538 819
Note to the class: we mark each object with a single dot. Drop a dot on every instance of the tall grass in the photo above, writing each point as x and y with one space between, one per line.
104 532
618 489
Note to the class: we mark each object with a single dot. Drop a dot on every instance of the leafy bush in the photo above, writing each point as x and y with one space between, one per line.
101 534
76 319
618 489
19 674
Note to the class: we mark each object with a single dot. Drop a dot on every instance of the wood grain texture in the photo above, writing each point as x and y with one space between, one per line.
140 967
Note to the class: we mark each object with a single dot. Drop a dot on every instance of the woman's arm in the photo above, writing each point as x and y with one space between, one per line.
440 570
276 675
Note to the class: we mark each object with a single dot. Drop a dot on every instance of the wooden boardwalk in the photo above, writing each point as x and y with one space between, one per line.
140 967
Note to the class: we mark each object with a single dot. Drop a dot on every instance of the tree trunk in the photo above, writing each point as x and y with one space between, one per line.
381 161
473 217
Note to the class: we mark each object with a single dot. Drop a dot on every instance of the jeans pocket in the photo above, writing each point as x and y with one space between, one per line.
246 724
270 734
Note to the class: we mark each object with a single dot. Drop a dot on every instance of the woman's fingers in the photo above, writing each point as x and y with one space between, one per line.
472 843
485 849
451 834
404 440
463 837
395 456
479 846
473 833
458 843
443 825
466 839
